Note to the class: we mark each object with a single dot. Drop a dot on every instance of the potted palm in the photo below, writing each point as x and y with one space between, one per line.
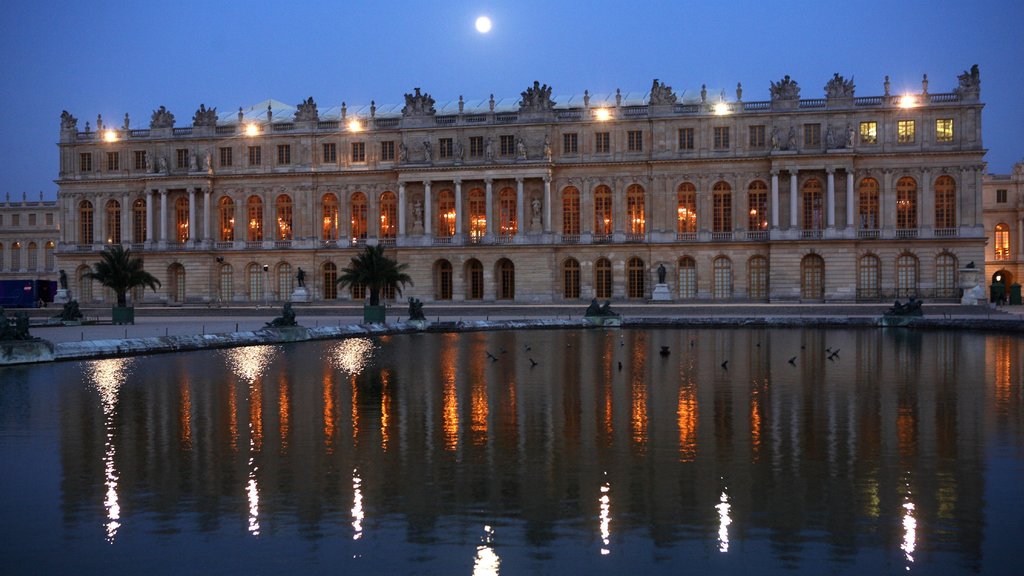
120 271
377 272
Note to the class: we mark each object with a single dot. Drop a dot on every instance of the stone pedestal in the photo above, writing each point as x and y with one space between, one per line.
971 282
661 293
62 296
300 294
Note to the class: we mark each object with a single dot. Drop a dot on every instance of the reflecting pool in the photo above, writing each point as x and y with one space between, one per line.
743 451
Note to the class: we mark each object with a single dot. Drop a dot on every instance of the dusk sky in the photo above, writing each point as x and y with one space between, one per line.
109 58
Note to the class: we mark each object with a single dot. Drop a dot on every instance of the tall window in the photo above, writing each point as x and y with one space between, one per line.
686 139
446 213
388 215
945 202
182 158
868 204
226 157
443 280
506 280
812 135
329 217
603 224
571 211
387 151
686 209
330 155
476 146
721 137
475 280
812 277
16 256
813 205
254 276
687 278
1 256
255 155
477 214
635 210
869 132
570 143
1002 242
226 218
284 217
113 161
603 278
1001 195
721 194
722 279
255 214
635 141
906 276
284 154
113 222
444 148
905 131
84 285
330 274
757 202
358 216
906 203
358 152
602 143
140 159
226 289
945 276
508 144
285 281
181 219
944 130
177 288
635 276
757 136
869 269
570 279
507 223
757 280
85 162
139 220
85 230
47 255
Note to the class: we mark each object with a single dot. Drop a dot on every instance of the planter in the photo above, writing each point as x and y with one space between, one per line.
123 315
373 314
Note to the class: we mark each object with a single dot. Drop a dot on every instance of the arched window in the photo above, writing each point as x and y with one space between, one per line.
445 214
603 223
635 273
358 291
687 278
945 276
571 211
637 224
255 210
330 276
84 285
226 218
721 194
603 278
814 211
477 215
906 203
757 206
33 257
177 288
113 232
139 220
867 200
686 211
181 219
254 277
869 269
506 279
285 281
48 249
907 275
85 229
16 256
329 217
226 289
757 271
812 277
388 215
1002 242
358 216
570 279
945 203
443 280
475 280
507 224
283 207
722 278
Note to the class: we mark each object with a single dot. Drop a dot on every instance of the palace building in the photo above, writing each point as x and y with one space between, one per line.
541 198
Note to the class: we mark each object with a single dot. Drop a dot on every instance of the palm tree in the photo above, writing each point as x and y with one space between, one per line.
120 271
377 272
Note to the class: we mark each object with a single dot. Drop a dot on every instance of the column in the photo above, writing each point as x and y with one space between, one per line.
401 209
547 204
488 199
126 220
149 215
99 220
520 223
207 195
163 214
849 198
458 208
793 220
775 199
926 202
427 202
191 214
830 203
886 202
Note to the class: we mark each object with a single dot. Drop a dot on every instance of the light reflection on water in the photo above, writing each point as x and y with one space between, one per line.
396 452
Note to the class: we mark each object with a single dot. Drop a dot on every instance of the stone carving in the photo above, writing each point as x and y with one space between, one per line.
418 104
162 118
597 310
831 139
126 121
790 139
68 122
428 152
703 93
209 162
776 138
785 89
70 312
661 94
287 317
403 152
911 308
970 82
14 328
489 150
149 164
520 149
839 87
536 99
416 310
661 273
547 148
63 280
300 278
306 111
193 162
204 116
886 85
162 165
849 135
460 152
739 91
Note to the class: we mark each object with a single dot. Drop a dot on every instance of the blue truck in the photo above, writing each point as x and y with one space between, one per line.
26 293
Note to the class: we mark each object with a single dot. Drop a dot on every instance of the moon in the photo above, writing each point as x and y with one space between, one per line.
483 24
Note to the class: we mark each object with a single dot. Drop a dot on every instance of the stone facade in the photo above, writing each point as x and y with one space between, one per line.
1004 224
29 234
836 198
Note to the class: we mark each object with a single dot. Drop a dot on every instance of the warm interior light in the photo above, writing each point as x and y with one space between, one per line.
908 101
721 108
252 129
602 114
109 136
354 125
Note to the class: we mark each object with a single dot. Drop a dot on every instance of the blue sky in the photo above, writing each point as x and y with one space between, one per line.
106 57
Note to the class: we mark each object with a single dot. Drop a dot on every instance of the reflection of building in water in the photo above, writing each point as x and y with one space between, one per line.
882 447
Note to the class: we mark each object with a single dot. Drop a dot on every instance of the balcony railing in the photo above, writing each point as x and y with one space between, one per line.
223 245
947 232
906 233
570 238
811 234
442 240
721 236
758 235
686 236
868 233
636 237
602 238
504 239
253 244
282 243
387 241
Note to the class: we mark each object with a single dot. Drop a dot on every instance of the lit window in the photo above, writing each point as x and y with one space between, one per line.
905 131
944 130
686 209
906 203
571 211
1002 242
869 132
